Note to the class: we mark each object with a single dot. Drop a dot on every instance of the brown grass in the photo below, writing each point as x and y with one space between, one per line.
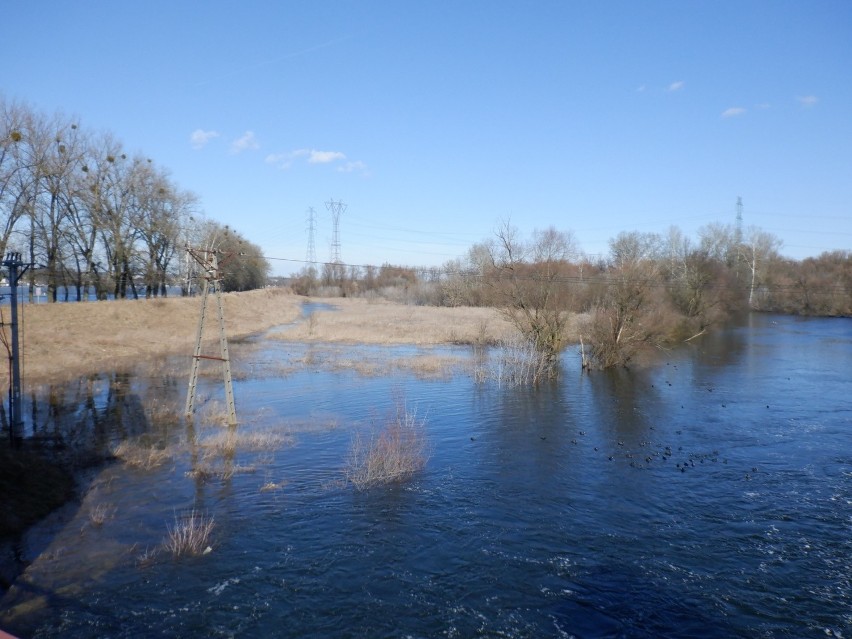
136 455
378 322
66 340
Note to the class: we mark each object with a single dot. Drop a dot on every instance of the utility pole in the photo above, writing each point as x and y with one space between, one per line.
13 263
209 262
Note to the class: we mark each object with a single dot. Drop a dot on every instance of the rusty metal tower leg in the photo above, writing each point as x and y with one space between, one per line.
226 360
196 357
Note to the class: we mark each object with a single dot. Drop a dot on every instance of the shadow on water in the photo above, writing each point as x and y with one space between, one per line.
65 444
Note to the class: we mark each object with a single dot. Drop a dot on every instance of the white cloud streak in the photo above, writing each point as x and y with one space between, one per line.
807 101
246 142
733 112
676 86
313 156
324 157
199 138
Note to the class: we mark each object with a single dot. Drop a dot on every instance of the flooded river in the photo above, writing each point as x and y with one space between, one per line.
706 495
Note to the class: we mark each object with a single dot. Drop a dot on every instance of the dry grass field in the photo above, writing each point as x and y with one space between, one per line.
66 340
362 321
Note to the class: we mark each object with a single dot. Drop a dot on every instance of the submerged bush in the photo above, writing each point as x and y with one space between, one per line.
517 362
190 534
391 455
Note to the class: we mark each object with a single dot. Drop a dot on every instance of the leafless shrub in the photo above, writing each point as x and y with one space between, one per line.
394 454
190 534
516 362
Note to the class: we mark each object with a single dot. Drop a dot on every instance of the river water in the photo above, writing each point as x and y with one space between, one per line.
708 494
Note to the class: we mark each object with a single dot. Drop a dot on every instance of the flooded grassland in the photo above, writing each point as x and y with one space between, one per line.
707 495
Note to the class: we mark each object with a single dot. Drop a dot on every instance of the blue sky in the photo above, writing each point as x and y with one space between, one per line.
433 121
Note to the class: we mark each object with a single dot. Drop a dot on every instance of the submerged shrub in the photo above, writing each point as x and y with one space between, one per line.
517 362
391 455
190 534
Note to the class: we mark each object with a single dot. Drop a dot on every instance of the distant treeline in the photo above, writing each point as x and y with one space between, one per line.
650 289
85 214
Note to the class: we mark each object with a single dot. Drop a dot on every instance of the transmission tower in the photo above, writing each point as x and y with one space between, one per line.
739 230
311 257
335 208
208 260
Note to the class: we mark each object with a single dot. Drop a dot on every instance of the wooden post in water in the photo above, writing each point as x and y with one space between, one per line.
212 279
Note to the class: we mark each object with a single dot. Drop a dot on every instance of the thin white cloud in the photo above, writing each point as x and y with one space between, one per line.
640 88
807 101
676 86
349 167
311 156
763 106
733 112
324 157
199 138
246 142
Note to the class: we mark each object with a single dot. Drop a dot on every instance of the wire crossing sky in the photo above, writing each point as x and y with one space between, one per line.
435 121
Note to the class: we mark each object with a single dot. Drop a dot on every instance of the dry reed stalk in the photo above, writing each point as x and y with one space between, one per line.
190 534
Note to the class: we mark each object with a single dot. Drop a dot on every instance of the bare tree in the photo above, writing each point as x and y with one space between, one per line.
14 176
760 249
530 282
626 316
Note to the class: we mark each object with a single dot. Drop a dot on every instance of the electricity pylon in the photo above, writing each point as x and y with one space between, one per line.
209 262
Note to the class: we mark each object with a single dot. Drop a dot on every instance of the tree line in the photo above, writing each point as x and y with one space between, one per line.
88 216
651 289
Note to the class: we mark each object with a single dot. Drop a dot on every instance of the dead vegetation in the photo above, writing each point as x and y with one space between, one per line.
64 341
190 534
391 454
366 321
137 455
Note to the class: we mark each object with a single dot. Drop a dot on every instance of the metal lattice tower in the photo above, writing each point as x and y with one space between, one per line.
311 257
739 230
209 262
335 208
